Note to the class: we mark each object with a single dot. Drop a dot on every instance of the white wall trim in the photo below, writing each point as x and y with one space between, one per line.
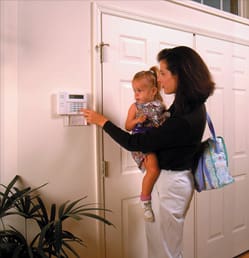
143 12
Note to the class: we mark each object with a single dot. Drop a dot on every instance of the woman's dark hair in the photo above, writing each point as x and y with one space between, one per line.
195 82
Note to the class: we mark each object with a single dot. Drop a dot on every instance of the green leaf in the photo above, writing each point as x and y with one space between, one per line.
53 212
11 196
91 215
58 236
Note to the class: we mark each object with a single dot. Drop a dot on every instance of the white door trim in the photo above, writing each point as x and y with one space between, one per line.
97 104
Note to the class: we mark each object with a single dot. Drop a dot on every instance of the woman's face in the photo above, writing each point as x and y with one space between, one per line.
166 79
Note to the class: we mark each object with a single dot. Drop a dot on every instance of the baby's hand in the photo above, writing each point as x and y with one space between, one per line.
141 119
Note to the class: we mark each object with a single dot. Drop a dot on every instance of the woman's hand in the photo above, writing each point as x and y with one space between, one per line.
93 117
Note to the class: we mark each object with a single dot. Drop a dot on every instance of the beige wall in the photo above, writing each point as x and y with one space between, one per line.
45 48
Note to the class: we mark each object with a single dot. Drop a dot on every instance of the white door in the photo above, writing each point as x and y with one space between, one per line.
133 46
223 215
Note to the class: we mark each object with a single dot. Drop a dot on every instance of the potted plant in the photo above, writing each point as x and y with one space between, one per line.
51 240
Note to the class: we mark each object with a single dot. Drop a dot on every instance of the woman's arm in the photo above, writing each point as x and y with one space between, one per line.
172 132
118 135
131 119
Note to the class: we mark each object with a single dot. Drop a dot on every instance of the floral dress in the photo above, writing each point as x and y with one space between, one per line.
156 114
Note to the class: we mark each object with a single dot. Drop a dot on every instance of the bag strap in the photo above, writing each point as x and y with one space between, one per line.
211 128
210 125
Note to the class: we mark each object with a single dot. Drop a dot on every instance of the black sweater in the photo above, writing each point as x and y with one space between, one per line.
175 142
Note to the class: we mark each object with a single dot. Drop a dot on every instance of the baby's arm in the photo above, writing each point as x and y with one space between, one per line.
131 119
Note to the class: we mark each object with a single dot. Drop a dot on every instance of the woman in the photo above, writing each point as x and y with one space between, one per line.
175 142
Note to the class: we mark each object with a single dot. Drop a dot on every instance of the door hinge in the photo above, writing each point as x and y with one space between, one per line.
105 168
100 47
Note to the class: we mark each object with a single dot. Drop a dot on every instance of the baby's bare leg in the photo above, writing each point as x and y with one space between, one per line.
152 173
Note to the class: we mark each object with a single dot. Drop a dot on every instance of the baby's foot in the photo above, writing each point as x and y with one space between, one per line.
148 212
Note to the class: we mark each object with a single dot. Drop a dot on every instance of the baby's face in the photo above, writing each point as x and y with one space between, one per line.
143 92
